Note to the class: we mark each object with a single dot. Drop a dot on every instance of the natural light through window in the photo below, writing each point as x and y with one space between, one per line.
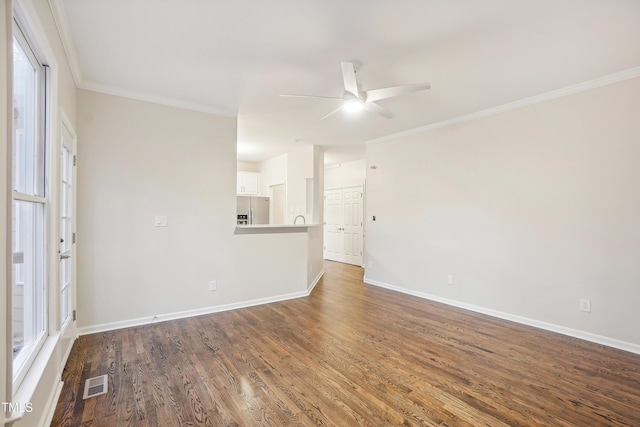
29 305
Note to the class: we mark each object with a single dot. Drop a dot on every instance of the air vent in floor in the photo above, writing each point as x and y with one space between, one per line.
95 386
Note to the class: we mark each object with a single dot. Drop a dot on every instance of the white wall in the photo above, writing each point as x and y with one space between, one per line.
350 174
530 210
272 172
300 165
248 167
138 160
292 169
316 233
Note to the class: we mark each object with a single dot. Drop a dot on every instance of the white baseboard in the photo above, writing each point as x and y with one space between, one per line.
189 313
587 336
315 282
65 356
51 405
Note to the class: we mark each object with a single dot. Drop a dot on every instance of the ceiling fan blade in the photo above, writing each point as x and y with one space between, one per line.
349 78
311 96
331 113
390 92
372 107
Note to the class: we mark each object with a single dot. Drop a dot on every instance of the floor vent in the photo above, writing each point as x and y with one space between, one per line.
95 386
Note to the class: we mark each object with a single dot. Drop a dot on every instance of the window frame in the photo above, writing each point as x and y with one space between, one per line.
41 192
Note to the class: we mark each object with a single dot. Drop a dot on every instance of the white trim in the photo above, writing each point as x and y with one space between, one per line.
29 24
23 197
66 122
587 336
155 99
29 384
62 24
64 30
315 282
525 102
348 186
187 313
27 16
67 353
52 402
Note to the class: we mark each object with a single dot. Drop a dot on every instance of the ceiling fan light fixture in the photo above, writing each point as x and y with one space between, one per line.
352 105
354 99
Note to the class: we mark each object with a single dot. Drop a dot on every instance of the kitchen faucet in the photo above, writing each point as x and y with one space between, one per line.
300 216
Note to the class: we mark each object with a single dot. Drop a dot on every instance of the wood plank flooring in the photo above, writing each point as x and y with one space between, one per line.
348 355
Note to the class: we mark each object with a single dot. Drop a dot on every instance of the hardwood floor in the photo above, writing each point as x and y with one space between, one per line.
350 354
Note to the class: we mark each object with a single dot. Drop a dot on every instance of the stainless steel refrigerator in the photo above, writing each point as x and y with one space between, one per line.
256 209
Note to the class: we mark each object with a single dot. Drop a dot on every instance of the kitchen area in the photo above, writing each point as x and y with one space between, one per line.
253 210
251 207
276 192
279 203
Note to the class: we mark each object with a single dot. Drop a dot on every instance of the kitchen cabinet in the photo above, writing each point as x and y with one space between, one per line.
248 183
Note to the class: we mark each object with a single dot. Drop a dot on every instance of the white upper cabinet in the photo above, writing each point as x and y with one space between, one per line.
248 183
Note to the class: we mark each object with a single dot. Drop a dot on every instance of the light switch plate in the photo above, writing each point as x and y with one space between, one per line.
585 305
160 221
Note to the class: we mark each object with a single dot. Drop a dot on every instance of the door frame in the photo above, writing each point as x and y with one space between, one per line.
273 201
68 330
361 187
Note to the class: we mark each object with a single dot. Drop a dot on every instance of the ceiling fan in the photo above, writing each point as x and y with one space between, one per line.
355 100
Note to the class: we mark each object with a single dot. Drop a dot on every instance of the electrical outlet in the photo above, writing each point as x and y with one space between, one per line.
160 221
213 285
450 279
585 305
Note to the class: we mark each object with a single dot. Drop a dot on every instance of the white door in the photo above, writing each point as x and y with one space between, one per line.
352 219
333 237
67 234
343 228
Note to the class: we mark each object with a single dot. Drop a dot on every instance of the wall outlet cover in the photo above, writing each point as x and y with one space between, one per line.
585 305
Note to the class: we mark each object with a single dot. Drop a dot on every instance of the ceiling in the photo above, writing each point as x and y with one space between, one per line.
236 57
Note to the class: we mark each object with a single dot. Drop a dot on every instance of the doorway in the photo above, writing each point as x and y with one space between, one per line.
277 210
343 228
67 268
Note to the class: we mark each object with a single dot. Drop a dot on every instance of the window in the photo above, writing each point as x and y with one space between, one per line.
29 296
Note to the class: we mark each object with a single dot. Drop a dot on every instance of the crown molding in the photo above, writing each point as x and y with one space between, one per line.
64 31
155 99
525 102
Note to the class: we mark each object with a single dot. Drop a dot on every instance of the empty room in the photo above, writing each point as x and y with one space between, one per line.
332 213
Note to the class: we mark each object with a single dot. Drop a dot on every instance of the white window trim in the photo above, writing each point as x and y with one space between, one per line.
25 13
24 361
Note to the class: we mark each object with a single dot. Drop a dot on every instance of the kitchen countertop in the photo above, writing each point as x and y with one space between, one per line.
273 228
